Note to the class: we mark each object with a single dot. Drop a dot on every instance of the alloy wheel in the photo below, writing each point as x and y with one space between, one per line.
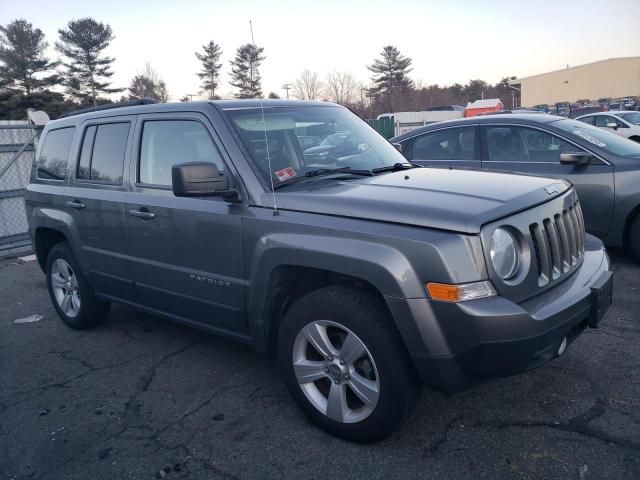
65 287
336 371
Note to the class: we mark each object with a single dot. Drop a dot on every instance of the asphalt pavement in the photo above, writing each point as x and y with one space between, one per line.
143 398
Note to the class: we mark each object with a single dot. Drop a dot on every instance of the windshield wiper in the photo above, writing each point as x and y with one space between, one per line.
321 172
396 167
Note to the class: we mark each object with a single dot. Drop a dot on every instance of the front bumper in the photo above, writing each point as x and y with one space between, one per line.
464 343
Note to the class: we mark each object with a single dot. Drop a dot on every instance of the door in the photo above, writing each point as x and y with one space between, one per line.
455 147
186 253
95 197
514 148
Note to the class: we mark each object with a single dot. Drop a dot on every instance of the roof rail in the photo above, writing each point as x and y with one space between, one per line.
108 106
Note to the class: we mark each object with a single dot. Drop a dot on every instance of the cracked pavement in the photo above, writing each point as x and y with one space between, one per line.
140 397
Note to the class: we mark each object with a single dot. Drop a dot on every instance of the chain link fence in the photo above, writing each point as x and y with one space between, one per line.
16 157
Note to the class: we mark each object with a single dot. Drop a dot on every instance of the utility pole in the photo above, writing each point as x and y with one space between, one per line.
286 87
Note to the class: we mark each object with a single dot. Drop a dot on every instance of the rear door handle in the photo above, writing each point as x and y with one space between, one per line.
143 213
77 204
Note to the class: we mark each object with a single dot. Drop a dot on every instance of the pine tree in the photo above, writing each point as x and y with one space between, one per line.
390 74
88 70
245 75
210 68
22 59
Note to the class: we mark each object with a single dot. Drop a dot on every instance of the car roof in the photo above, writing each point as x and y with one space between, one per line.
526 118
198 106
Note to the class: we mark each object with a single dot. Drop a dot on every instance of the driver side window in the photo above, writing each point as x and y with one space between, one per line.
544 147
168 142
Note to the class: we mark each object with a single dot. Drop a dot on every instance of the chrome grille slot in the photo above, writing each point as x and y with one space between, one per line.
554 244
543 252
564 242
558 243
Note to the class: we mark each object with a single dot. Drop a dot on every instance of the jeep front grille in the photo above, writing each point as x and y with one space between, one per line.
558 243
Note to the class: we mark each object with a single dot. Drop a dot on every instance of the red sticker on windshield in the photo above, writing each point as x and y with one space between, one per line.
285 174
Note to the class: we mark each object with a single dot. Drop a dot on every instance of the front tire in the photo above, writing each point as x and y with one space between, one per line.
70 293
345 364
634 237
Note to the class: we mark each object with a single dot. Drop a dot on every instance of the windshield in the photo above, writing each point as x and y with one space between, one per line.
633 117
600 138
303 139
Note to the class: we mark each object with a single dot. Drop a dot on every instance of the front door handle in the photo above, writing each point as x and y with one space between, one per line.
143 213
77 204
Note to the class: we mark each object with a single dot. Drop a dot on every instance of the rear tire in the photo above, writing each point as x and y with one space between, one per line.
363 387
634 237
70 293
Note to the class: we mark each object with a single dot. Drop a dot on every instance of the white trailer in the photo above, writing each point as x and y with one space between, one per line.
407 121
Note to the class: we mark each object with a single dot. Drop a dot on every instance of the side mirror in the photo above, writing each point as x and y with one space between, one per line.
613 125
577 158
198 179
398 146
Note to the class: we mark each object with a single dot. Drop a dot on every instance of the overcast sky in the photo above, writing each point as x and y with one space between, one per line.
449 41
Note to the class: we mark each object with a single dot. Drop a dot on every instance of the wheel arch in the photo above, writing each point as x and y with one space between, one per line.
45 239
285 271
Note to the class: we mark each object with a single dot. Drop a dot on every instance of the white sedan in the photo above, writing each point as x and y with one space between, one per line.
625 123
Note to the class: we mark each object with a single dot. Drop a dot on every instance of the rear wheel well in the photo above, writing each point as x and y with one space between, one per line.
289 283
45 239
635 138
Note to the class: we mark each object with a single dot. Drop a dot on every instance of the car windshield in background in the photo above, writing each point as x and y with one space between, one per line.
293 142
600 138
633 117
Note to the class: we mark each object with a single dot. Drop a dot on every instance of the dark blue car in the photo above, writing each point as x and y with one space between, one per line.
604 167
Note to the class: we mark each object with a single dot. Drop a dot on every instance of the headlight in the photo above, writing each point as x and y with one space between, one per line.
504 254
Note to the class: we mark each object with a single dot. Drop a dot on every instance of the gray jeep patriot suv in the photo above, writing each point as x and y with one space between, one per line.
295 227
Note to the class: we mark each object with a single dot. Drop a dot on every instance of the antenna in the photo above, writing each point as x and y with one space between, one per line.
266 143
266 140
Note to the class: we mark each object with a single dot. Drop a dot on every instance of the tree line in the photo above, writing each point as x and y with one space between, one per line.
82 77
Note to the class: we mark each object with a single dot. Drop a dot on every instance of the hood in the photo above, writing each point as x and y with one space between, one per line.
457 200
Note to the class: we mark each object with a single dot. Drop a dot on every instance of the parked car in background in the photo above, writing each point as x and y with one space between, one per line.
624 123
364 274
546 145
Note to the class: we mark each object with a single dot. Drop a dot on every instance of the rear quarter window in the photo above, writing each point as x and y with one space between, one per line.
102 153
54 155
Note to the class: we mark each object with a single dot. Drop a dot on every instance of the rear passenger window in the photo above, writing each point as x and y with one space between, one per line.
102 153
449 144
52 163
168 142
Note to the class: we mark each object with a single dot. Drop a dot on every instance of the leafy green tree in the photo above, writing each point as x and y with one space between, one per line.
245 74
390 74
88 70
23 63
211 67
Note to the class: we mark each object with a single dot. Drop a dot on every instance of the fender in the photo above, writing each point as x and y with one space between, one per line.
56 219
386 268
624 207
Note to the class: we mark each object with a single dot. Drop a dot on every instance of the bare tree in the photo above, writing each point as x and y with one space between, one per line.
148 84
342 88
307 86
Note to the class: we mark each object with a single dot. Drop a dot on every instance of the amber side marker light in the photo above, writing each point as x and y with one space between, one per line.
460 293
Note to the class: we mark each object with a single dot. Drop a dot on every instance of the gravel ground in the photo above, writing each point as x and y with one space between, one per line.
143 398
